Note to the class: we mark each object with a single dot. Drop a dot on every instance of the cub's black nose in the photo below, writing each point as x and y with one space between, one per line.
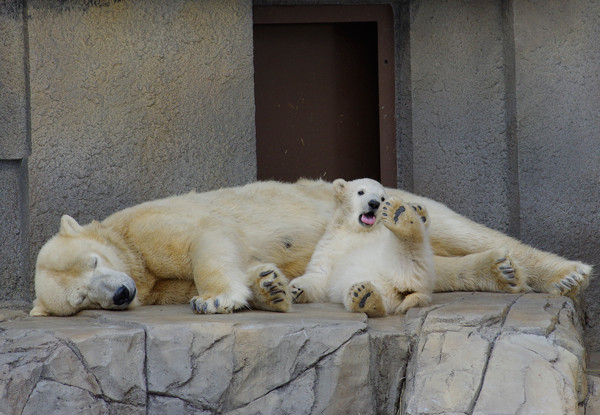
374 204
123 296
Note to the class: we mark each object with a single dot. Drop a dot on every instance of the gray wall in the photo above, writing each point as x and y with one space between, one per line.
460 136
104 104
14 149
129 101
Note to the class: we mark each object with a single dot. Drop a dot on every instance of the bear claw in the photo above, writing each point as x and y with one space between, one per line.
508 275
209 306
297 293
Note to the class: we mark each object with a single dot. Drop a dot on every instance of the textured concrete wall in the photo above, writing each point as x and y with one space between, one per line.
136 100
14 242
558 92
14 149
14 144
460 138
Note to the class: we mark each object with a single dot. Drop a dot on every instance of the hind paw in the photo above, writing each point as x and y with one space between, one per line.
364 298
571 280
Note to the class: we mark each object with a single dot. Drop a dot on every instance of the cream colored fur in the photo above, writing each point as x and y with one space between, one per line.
381 267
233 248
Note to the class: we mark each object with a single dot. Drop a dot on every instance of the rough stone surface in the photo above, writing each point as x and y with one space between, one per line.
593 400
468 353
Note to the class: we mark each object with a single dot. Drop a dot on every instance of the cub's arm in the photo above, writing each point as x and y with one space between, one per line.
312 286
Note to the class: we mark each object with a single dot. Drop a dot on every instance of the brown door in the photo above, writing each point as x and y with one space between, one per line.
317 89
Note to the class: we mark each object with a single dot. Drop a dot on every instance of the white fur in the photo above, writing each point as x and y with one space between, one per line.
232 248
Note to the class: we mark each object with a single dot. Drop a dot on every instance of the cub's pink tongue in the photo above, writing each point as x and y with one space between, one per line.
367 220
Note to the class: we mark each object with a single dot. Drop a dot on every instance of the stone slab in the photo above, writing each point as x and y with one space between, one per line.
467 353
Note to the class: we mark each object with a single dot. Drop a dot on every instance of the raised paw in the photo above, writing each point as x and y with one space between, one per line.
571 280
507 275
271 291
213 305
364 298
404 219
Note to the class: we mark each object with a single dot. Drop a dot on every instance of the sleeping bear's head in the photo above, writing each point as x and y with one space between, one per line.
360 201
82 268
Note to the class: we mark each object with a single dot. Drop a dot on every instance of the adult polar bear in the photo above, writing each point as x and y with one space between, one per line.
230 248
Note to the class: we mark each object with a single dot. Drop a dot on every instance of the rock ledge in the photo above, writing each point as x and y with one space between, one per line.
468 353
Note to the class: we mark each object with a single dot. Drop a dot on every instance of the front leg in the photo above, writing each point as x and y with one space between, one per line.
222 286
312 286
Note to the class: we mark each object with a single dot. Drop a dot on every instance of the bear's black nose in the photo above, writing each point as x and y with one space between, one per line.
123 296
374 204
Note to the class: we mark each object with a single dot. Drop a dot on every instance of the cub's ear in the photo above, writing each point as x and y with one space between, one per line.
69 226
339 185
38 310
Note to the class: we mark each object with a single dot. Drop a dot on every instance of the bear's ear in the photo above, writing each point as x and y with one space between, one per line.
69 226
339 188
339 185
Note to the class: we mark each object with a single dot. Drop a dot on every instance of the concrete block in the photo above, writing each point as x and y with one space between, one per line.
14 143
16 284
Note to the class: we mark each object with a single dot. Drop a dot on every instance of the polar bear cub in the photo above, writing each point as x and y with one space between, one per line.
375 255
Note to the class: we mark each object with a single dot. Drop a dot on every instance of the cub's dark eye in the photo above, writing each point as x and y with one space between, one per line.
360 193
382 199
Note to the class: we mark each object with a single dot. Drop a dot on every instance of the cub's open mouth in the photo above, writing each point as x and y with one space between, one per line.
367 219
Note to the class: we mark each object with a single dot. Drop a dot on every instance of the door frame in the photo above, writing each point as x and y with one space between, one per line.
383 16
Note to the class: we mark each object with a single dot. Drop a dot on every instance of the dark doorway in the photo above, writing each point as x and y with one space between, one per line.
319 107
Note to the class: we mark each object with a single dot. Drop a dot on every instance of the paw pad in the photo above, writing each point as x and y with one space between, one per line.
271 291
399 212
509 275
396 214
363 298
